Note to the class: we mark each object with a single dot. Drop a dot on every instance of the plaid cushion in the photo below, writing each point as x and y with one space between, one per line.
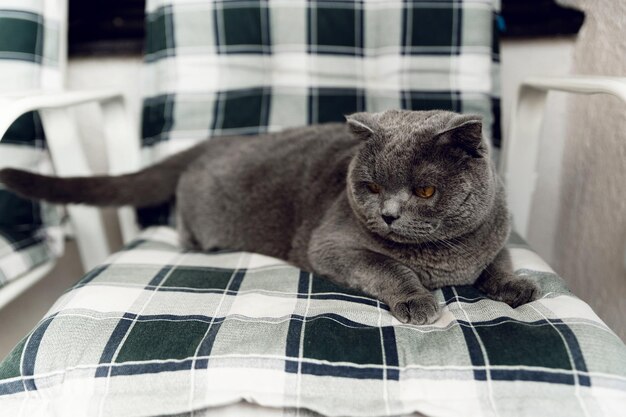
21 252
245 67
29 60
157 330
248 67
29 45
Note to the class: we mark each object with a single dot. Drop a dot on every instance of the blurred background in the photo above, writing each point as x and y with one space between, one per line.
583 239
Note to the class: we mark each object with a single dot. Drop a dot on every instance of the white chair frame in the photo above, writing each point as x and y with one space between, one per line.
69 160
520 150
518 167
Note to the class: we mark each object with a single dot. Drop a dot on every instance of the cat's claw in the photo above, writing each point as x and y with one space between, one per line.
517 291
418 310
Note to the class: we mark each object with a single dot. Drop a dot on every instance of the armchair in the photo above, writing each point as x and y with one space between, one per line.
520 150
33 49
156 330
32 58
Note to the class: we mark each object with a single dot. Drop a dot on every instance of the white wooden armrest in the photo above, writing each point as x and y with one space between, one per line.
520 150
69 159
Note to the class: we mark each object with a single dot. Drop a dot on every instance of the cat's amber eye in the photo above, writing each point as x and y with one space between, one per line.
425 192
373 187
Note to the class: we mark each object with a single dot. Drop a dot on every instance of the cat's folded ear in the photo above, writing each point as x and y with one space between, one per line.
465 131
362 125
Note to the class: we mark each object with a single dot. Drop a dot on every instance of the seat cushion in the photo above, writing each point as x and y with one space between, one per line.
159 330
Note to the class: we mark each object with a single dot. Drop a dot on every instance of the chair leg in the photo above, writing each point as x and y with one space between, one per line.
63 142
122 143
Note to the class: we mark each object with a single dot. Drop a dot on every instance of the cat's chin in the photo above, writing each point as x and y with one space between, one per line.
390 235
422 235
395 237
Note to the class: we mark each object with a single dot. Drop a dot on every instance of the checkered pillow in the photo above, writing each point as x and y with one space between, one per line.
247 67
157 330
20 252
29 60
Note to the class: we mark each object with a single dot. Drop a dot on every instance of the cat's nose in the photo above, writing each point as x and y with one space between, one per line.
390 210
389 219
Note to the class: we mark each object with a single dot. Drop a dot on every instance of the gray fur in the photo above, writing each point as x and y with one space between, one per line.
302 195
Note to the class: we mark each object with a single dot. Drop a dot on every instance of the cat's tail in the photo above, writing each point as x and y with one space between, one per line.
148 187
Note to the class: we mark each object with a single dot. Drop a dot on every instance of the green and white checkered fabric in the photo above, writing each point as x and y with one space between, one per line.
19 254
29 45
24 242
157 330
246 67
29 61
217 67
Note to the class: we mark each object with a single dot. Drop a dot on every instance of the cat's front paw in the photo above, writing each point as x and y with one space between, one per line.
517 291
421 309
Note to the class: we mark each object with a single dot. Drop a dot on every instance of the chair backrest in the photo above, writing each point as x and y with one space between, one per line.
32 58
246 67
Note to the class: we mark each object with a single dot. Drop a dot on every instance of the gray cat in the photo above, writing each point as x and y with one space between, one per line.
394 204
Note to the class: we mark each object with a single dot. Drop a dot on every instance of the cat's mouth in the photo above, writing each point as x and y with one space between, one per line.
417 234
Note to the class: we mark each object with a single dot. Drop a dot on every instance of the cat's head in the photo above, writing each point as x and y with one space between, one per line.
420 176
